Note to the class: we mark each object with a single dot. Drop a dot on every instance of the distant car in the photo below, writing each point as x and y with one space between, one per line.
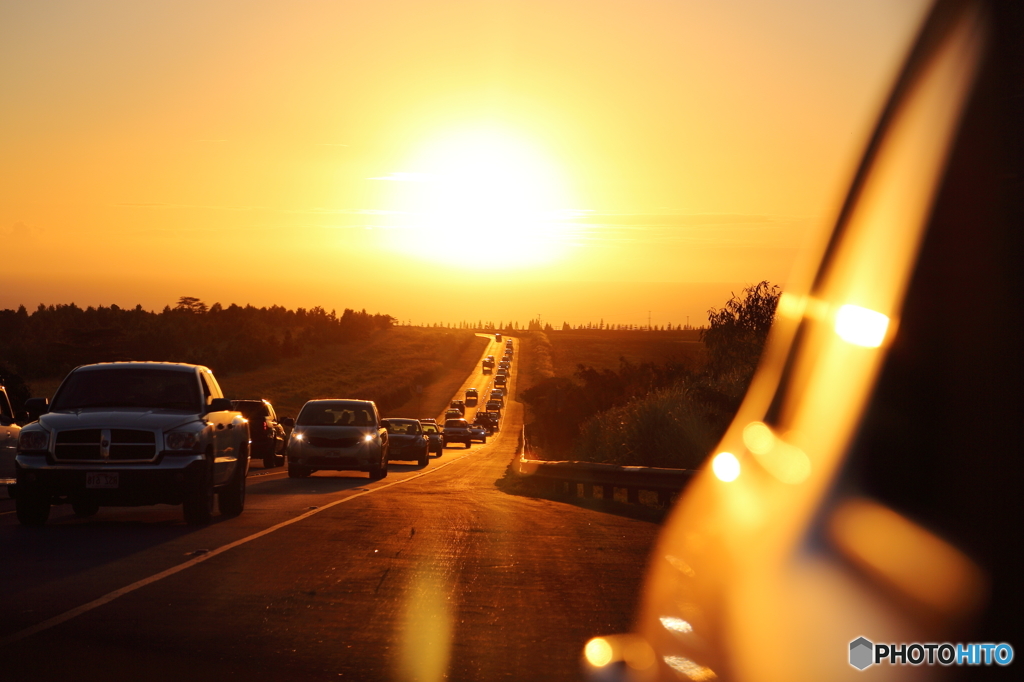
508 354
472 396
494 406
456 431
459 405
9 431
505 365
266 433
503 372
508 343
407 440
486 421
338 435
498 396
453 413
495 417
497 337
478 432
432 431
500 380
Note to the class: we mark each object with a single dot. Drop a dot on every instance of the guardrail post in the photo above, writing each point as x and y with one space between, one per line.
588 490
609 492
633 495
664 497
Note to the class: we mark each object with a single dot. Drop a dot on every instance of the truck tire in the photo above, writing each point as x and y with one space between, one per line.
199 498
231 498
425 457
32 505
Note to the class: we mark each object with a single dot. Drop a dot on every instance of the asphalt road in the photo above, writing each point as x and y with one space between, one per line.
430 574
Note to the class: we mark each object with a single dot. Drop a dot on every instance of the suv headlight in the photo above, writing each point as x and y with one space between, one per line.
181 440
33 440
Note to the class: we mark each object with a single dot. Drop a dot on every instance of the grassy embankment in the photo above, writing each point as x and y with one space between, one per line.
385 367
668 427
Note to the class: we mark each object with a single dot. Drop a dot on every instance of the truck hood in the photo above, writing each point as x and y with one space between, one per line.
122 418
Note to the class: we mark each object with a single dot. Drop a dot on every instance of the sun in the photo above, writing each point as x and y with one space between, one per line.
480 199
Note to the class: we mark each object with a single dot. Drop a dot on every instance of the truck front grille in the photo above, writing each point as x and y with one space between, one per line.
102 445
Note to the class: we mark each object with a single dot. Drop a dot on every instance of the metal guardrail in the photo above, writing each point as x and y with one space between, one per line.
565 477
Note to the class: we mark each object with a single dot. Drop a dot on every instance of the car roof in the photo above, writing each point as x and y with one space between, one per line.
166 366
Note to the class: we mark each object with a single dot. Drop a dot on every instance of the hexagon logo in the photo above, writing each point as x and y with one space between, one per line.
861 653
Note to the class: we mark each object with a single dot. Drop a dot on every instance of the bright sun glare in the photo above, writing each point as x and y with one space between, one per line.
482 188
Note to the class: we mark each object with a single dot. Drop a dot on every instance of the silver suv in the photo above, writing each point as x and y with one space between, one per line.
133 433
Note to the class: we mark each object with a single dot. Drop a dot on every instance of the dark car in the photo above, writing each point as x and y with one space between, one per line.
266 432
433 432
500 380
407 440
456 431
453 413
487 421
459 405
472 396
9 432
495 417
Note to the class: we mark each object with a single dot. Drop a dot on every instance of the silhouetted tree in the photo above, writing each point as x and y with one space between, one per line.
738 332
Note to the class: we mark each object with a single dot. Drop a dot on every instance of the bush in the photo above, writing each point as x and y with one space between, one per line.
670 427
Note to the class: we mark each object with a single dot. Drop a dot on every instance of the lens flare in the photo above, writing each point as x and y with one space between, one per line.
726 466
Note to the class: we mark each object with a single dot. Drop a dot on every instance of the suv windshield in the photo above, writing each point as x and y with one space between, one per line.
129 387
335 413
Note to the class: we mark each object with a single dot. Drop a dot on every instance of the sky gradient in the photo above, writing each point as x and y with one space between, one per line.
438 161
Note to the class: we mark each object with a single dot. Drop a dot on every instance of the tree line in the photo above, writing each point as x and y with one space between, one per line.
54 339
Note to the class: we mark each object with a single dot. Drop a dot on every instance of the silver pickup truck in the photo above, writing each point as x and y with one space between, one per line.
133 433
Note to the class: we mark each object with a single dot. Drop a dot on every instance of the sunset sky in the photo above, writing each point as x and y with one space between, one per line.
437 160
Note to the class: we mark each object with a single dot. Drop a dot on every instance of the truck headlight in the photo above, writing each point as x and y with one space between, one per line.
33 440
181 440
368 438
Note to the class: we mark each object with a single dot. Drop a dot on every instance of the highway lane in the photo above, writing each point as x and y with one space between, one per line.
429 574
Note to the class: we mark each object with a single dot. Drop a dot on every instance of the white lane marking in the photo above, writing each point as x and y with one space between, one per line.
111 596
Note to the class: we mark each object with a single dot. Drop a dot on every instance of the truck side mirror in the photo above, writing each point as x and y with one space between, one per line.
36 407
219 405
288 422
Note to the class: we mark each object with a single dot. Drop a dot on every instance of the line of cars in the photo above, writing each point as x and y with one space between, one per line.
142 433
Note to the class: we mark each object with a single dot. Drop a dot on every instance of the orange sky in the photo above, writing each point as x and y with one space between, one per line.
441 160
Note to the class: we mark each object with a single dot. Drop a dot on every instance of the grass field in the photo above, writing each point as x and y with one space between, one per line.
557 353
386 367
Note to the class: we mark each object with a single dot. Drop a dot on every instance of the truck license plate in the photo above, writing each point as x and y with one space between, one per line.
101 479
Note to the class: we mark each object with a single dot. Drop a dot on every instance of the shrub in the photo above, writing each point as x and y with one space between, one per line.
670 427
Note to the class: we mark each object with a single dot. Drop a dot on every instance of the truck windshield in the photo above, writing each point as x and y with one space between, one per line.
129 387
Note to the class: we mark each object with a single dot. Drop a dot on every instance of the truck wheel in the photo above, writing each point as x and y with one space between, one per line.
279 457
270 459
199 498
33 505
425 457
84 508
484 441
231 498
